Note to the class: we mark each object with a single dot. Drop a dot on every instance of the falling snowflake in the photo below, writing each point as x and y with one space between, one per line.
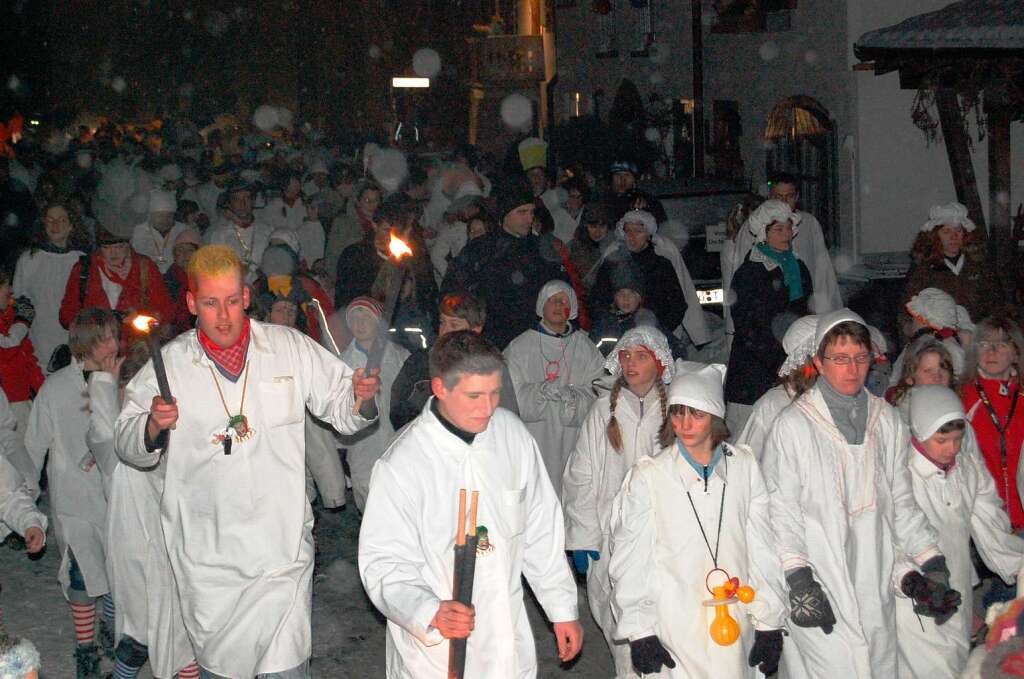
769 51
118 84
390 168
516 111
266 117
426 63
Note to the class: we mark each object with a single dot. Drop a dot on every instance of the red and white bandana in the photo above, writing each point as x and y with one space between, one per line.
229 359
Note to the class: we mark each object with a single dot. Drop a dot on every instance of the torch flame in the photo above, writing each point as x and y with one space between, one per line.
143 323
398 247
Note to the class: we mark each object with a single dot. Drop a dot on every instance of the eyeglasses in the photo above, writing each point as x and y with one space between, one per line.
843 359
987 345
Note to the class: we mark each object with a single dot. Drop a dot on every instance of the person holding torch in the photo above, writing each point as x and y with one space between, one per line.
235 518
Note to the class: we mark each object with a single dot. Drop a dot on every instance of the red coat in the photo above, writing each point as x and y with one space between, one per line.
176 280
988 439
157 301
19 369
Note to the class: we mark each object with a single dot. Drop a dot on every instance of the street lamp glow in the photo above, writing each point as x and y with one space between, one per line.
405 83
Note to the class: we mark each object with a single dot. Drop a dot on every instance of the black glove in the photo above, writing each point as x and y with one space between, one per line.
932 598
809 607
649 656
23 310
766 651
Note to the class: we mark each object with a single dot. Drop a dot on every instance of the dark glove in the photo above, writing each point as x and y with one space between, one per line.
932 598
809 607
766 651
23 310
649 656
581 558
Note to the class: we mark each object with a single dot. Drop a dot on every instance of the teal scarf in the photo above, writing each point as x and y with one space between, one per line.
703 471
790 269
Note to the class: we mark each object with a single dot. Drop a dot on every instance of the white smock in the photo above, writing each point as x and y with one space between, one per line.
408 533
160 248
961 504
279 215
18 511
809 247
593 476
367 445
848 512
554 409
78 506
659 559
42 277
146 605
249 243
238 527
762 417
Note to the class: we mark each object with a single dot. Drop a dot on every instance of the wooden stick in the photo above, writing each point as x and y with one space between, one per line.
471 529
460 533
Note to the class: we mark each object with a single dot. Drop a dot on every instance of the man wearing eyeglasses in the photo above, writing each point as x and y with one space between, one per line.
849 531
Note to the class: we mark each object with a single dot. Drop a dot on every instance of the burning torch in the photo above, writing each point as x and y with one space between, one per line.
147 326
466 542
399 250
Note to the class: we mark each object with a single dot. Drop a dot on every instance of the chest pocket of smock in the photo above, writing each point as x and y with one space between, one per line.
514 511
280 402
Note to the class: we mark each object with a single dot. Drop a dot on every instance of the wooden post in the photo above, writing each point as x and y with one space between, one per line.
998 115
697 26
958 149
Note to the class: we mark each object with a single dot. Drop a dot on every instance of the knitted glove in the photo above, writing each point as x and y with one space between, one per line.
932 599
766 651
809 607
581 558
24 311
649 656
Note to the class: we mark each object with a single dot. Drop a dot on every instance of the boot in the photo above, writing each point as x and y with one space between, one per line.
87 661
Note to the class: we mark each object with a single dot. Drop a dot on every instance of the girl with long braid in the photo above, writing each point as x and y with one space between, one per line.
630 422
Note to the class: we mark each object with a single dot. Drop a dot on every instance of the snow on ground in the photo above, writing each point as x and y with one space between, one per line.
348 633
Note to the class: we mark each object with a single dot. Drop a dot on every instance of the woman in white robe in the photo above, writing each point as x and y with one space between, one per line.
552 367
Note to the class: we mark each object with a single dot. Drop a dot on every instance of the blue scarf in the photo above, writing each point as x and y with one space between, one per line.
704 472
790 269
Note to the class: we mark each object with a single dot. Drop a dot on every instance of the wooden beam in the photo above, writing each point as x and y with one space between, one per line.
958 150
697 26
998 116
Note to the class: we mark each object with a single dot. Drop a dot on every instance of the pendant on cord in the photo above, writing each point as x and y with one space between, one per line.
238 430
552 370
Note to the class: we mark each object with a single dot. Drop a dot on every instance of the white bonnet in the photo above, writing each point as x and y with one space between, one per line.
951 213
552 288
767 213
931 406
637 217
651 338
699 386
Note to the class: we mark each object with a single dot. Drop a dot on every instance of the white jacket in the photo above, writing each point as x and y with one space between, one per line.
149 242
593 476
18 510
408 533
554 410
848 512
766 409
659 559
238 527
249 243
146 602
809 247
961 504
78 506
367 445
42 277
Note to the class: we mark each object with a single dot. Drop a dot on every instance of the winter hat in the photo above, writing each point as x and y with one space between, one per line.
597 213
624 165
699 386
624 273
649 338
768 213
287 236
637 217
963 320
318 167
189 236
169 173
467 194
533 152
830 320
953 213
935 308
552 288
162 201
279 260
366 305
512 193
798 343
18 657
931 406
105 236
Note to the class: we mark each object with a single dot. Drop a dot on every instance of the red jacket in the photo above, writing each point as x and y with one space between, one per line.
176 281
988 439
19 369
154 300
